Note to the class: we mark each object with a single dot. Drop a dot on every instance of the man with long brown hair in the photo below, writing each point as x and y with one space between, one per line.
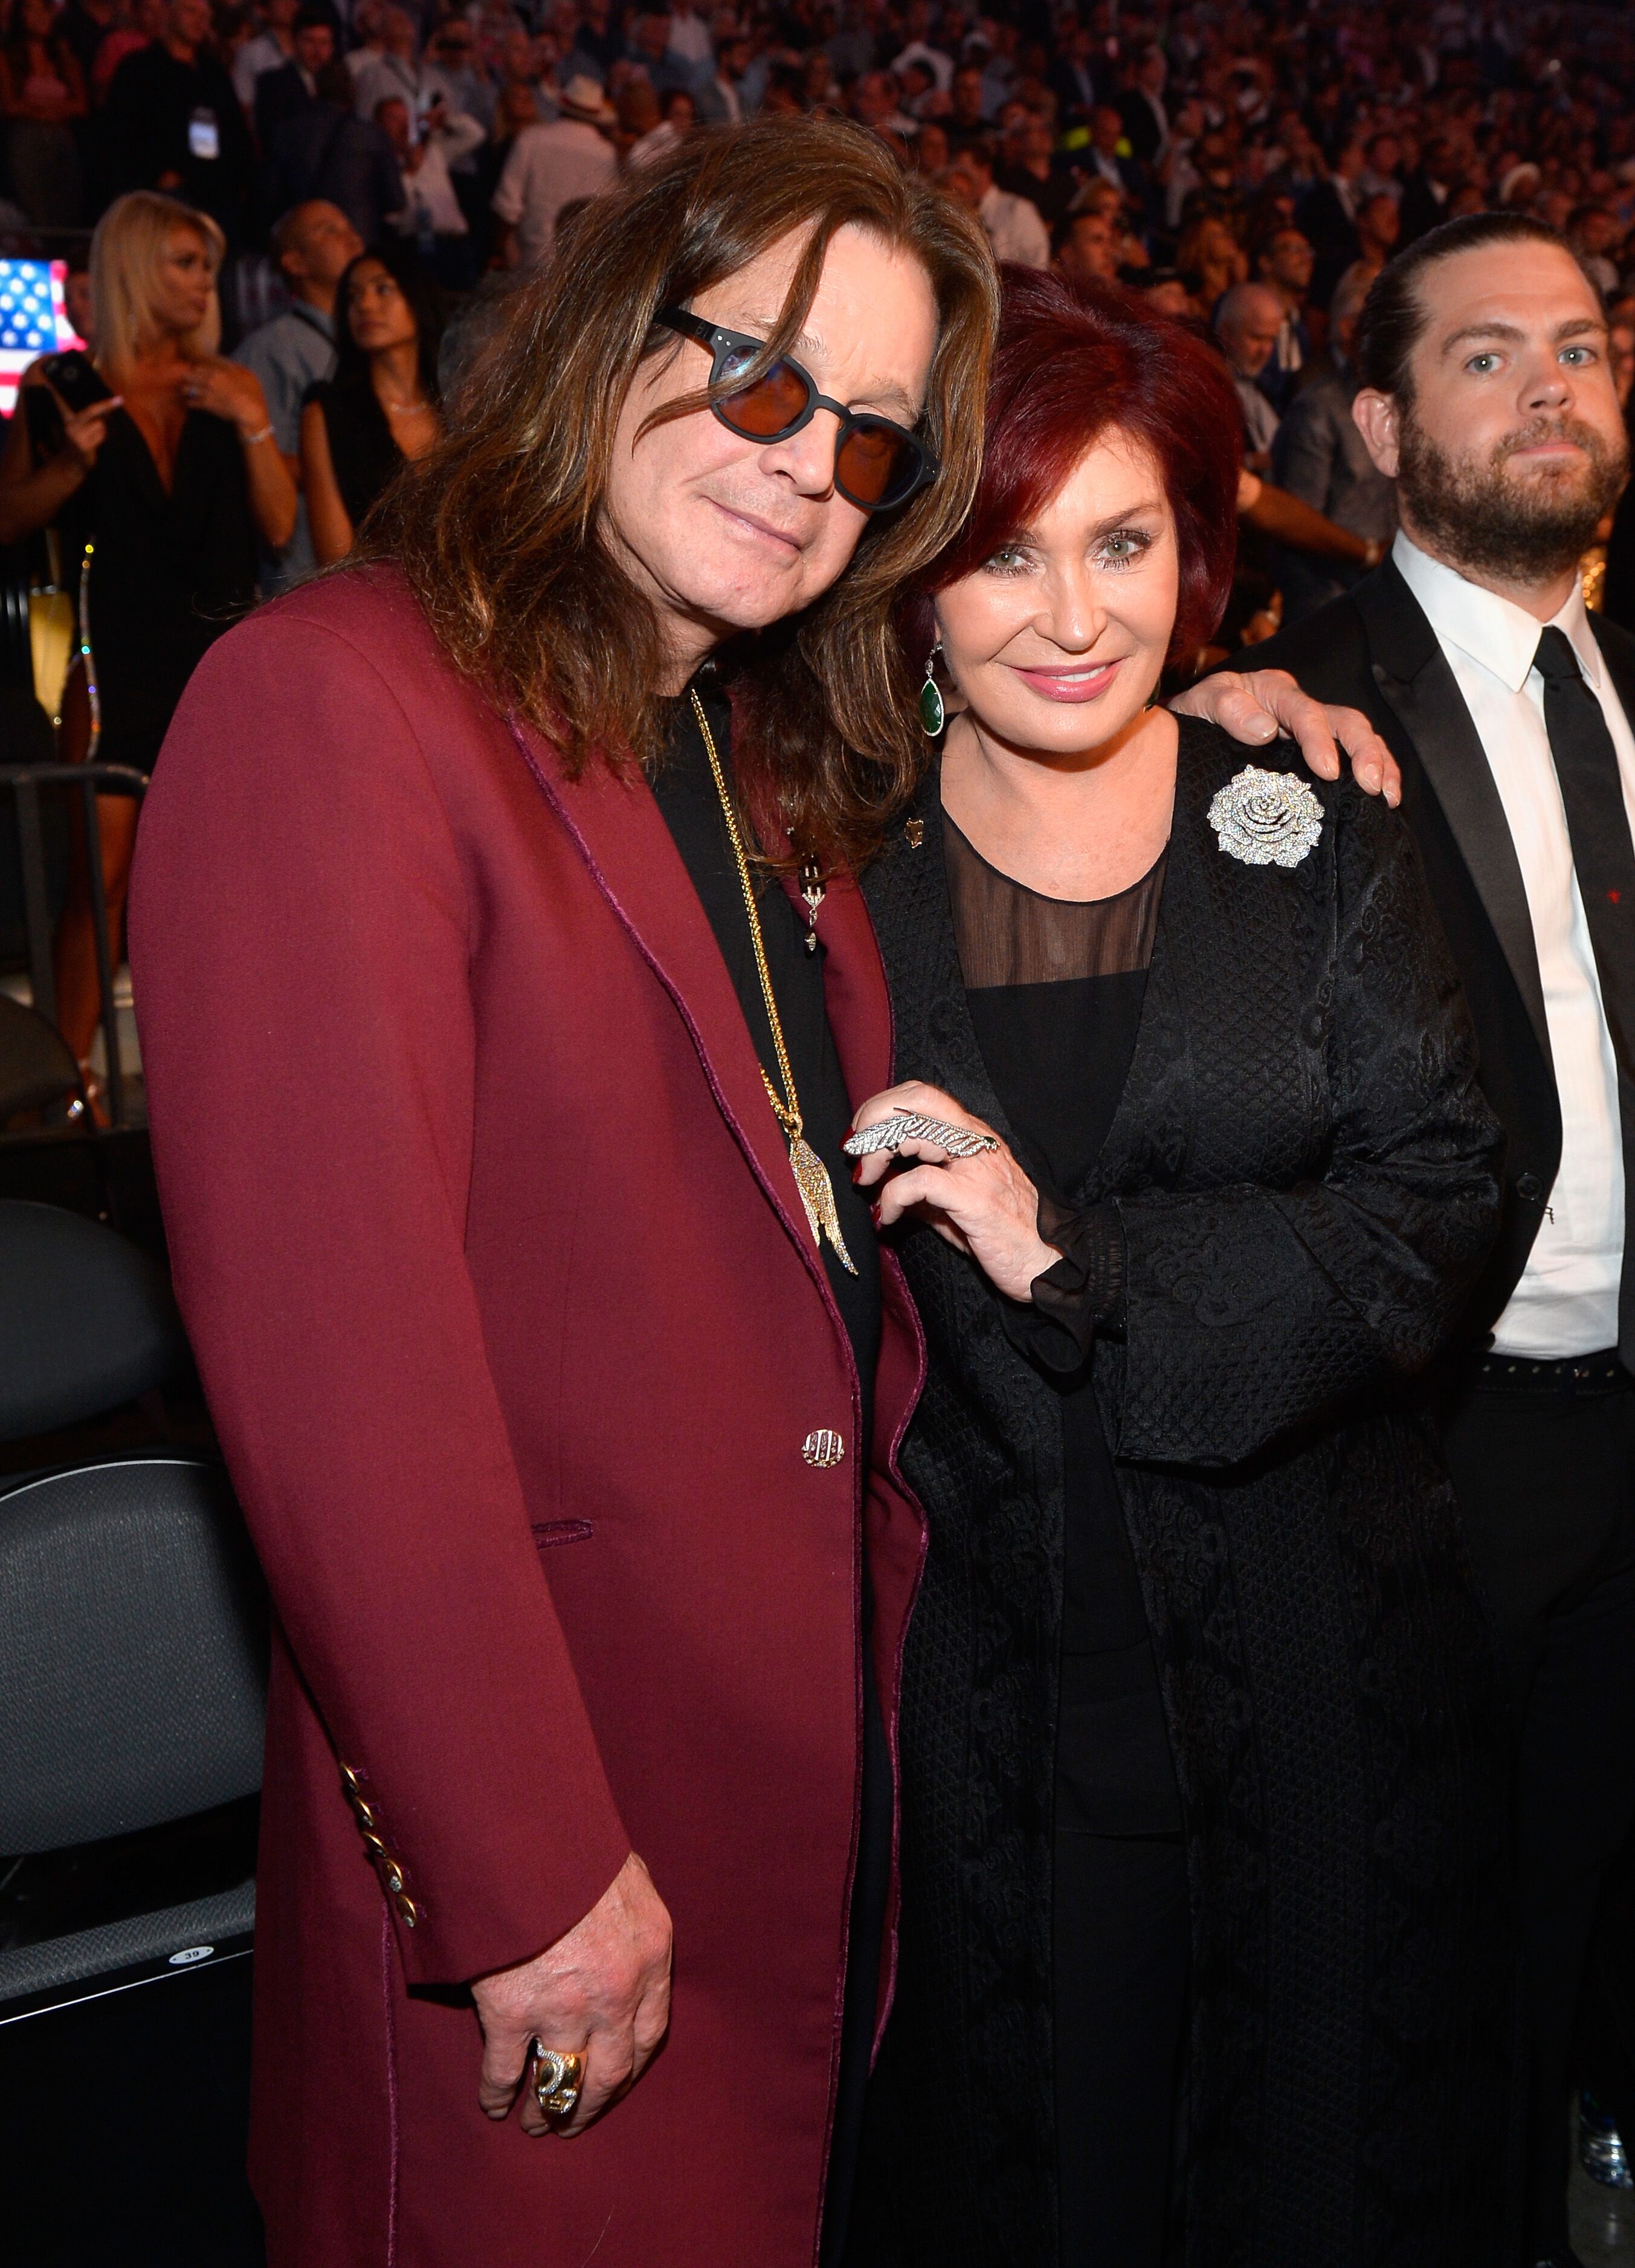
498 1080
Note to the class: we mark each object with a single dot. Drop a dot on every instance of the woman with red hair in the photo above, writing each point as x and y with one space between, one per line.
1201 1790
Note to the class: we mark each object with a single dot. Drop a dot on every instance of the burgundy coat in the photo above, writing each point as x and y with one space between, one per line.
513 1331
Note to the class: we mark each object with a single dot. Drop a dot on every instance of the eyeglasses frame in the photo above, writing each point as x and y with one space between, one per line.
720 342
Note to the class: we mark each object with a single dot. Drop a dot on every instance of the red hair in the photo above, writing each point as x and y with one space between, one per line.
1075 361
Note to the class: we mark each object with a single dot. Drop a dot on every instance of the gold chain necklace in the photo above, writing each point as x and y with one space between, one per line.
817 1191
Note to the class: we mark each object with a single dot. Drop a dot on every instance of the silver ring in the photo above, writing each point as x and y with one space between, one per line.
909 1126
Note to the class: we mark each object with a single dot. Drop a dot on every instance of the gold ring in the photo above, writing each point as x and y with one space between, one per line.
557 2077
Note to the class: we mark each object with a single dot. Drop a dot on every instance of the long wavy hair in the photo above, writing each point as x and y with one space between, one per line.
129 242
499 529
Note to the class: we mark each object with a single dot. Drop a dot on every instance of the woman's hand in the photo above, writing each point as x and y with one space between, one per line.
229 391
84 431
983 1207
1259 704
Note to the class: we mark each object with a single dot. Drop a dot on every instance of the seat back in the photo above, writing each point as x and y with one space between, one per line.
37 1065
132 1652
86 1320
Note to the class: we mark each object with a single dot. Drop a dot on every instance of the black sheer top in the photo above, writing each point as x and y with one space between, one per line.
1055 988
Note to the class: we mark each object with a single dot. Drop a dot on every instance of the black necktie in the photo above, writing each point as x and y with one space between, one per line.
1604 859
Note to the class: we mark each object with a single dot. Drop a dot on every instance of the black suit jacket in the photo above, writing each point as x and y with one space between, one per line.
1374 649
279 94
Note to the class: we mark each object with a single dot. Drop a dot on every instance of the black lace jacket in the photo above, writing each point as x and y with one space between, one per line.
1300 1165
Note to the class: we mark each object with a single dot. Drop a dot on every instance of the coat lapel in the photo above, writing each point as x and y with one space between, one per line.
1413 676
615 821
1620 666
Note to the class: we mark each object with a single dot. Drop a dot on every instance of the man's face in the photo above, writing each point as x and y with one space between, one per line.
1106 126
874 98
1090 248
1511 445
727 534
1380 222
314 44
969 180
392 116
1289 261
1249 332
1384 154
189 21
652 34
325 242
968 97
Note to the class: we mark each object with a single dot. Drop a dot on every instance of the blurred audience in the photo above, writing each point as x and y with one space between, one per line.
572 156
161 488
315 244
382 406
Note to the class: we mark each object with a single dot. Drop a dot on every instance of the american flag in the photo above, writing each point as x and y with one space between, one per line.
33 320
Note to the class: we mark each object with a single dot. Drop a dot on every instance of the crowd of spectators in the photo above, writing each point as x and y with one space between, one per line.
1251 168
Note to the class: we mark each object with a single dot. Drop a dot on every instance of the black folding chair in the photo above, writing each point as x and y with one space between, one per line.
27 785
87 1321
132 1685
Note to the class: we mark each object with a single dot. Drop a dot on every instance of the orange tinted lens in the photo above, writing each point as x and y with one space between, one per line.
874 464
769 407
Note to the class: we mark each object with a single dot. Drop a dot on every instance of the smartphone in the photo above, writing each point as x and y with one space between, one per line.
76 378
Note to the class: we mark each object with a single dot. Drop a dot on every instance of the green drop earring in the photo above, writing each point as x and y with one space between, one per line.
933 715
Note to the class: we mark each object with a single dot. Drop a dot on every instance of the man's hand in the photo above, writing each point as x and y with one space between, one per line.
1258 703
602 1991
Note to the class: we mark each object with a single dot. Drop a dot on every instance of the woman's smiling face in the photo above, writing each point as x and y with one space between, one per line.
1058 640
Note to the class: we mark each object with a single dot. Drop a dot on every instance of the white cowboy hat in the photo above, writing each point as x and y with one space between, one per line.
582 98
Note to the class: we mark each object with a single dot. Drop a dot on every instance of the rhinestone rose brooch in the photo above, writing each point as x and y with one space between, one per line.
1266 818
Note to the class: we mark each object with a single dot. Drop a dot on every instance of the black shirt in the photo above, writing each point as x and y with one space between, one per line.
363 448
691 805
1055 988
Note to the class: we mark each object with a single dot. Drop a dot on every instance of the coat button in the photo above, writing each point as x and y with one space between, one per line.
1529 1186
350 1782
408 1911
823 1448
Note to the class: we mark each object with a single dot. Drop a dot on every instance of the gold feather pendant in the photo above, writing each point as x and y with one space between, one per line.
817 1194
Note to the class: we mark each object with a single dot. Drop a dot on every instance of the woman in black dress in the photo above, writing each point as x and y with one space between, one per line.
1202 1802
381 407
157 493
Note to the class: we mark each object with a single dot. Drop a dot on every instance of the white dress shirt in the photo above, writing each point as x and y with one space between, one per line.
548 167
1566 1302
1014 228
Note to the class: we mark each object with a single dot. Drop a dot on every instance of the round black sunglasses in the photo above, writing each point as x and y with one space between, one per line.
877 466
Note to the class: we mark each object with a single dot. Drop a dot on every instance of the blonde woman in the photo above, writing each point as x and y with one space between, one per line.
161 488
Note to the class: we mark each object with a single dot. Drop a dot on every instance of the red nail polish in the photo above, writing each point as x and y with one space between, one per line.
874 1215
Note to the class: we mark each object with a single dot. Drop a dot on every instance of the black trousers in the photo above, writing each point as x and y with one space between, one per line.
1543 1456
1123 1951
